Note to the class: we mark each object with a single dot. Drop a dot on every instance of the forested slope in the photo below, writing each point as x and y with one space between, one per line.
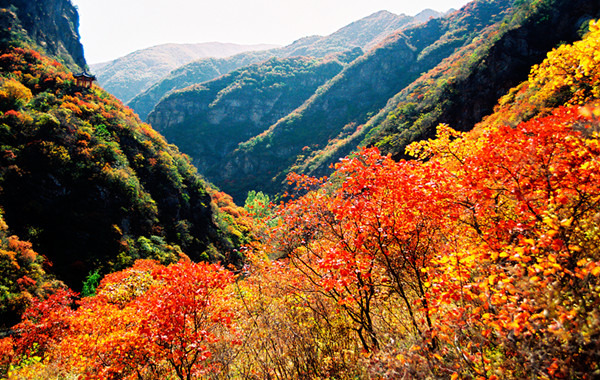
127 76
468 60
212 118
90 185
340 107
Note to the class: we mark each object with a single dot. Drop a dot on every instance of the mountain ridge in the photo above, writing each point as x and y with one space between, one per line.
364 34
228 110
126 76
345 112
507 63
208 49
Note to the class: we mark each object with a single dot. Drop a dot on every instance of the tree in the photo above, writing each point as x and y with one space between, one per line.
146 321
516 293
369 234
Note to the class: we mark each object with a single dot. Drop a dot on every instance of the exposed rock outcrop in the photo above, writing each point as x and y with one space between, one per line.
53 25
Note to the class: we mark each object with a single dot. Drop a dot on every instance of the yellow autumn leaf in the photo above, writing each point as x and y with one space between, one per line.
566 222
534 279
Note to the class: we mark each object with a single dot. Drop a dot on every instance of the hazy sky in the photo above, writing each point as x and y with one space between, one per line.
113 28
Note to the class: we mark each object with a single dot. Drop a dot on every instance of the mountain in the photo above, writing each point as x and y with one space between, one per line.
193 73
346 102
87 183
422 71
462 91
477 258
364 34
427 14
212 118
465 87
127 76
53 25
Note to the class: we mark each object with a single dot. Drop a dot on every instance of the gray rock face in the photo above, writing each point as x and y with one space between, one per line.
53 25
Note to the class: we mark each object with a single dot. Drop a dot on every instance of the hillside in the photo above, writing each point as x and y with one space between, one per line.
484 69
363 34
212 118
482 49
90 185
196 72
462 91
127 76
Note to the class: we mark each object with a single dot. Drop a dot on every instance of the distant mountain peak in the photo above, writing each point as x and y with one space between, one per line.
149 65
382 12
427 14
362 34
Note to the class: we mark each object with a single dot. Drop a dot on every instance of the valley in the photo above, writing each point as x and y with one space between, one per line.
407 197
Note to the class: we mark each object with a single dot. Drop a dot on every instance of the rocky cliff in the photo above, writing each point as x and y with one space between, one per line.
52 25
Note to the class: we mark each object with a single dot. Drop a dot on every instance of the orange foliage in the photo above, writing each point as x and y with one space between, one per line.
488 247
148 320
21 276
481 260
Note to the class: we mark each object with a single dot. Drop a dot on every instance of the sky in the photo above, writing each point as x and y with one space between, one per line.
113 28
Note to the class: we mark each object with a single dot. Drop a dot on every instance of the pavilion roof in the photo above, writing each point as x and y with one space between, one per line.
85 75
